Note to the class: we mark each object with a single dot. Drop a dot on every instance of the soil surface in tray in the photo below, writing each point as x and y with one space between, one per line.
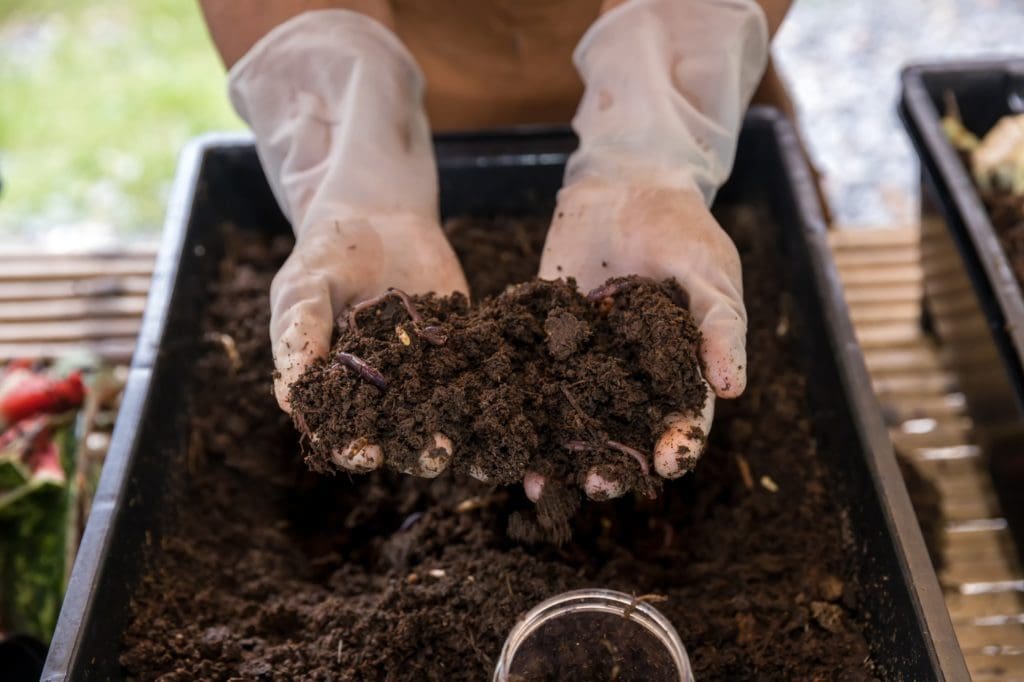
267 571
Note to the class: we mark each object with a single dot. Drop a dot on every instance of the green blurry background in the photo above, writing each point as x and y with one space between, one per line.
96 100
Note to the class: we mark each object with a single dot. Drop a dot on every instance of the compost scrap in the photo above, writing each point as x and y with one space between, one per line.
264 570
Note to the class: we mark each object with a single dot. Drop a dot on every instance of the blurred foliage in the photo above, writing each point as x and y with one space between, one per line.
98 98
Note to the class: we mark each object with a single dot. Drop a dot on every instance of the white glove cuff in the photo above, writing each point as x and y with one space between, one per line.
667 85
336 104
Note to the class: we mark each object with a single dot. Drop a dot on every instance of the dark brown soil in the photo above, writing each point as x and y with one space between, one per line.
266 571
538 378
496 252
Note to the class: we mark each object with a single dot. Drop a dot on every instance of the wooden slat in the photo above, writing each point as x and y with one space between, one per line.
936 406
950 467
31 252
906 311
919 358
883 275
870 238
112 349
882 293
907 255
975 638
992 667
71 308
69 268
997 547
70 330
964 607
71 288
889 336
934 383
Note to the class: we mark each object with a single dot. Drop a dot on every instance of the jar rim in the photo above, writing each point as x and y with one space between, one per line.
595 600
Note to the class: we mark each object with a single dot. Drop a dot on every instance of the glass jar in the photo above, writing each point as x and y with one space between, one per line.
593 634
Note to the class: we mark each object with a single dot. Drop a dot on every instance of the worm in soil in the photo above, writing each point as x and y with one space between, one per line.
431 334
365 370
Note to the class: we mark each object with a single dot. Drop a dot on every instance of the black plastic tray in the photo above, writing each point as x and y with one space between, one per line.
985 91
972 295
517 172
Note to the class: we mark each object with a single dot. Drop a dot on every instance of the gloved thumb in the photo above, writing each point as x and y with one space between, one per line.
301 323
722 320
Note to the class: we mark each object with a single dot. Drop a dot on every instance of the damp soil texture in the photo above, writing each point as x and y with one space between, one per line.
539 378
264 570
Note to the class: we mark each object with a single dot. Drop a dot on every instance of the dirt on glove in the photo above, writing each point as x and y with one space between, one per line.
538 378
263 570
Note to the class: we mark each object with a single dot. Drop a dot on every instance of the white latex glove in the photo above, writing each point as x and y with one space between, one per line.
666 87
336 105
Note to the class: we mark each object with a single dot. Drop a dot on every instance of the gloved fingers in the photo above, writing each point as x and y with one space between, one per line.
434 459
359 457
600 485
533 485
683 441
301 322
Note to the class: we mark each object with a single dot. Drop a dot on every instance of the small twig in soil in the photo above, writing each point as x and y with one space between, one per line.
365 370
228 344
432 334
744 466
471 504
572 401
300 421
645 599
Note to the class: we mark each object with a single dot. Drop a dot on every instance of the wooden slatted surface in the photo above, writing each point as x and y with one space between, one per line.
54 304
981 576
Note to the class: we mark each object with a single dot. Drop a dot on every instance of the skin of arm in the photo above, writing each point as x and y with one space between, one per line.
236 25
774 10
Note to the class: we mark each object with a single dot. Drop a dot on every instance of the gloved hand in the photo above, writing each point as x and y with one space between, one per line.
666 87
336 104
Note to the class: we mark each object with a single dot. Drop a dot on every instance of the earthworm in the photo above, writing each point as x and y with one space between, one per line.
370 302
635 454
431 334
365 370
581 446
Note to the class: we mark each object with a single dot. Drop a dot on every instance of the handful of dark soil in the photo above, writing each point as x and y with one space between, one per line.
538 378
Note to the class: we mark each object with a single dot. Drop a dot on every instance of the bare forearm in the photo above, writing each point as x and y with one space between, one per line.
236 25
774 10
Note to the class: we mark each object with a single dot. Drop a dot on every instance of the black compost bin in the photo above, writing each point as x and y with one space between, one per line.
512 173
971 293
